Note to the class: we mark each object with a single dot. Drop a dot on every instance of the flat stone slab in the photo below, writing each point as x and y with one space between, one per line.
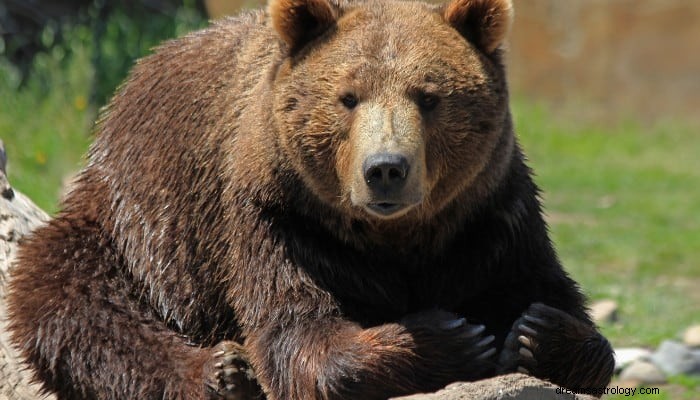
505 387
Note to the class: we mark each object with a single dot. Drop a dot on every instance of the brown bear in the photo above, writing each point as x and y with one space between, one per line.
321 201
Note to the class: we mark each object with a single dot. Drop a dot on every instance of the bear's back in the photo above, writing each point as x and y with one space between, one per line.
157 170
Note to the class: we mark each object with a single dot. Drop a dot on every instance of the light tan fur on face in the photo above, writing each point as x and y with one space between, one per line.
391 128
386 54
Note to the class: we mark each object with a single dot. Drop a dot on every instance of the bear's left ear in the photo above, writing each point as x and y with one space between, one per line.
483 22
299 21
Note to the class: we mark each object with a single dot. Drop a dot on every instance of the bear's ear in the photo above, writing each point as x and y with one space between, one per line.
299 21
483 22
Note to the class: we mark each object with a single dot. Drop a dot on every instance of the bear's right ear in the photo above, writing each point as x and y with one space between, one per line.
483 22
299 21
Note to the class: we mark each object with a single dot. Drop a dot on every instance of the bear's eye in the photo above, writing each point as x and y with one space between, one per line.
427 101
349 100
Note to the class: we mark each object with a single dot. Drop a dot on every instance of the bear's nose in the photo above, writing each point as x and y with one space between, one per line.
385 173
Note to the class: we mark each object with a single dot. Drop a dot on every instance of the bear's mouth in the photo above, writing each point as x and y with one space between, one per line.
385 209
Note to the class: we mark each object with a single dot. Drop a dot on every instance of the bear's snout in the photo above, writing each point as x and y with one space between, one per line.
385 173
387 176
388 183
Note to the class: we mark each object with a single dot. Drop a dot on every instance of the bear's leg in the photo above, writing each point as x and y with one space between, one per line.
551 344
332 358
80 323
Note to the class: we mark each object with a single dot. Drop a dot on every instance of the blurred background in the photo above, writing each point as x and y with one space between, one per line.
605 94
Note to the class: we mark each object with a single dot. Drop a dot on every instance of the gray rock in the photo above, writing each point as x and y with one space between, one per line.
691 337
625 356
604 311
643 372
505 387
676 358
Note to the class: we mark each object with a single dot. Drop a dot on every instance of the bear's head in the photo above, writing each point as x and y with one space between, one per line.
390 110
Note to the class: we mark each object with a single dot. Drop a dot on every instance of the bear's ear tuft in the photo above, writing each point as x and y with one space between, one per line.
299 21
483 22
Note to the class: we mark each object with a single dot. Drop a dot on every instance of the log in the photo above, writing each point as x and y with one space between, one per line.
18 217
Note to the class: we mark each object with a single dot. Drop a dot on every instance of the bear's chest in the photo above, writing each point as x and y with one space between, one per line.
384 289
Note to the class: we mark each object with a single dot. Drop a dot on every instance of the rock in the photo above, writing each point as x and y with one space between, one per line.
604 311
625 356
675 358
505 387
643 372
691 337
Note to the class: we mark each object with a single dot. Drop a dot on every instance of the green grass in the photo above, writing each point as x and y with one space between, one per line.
624 209
623 204
45 124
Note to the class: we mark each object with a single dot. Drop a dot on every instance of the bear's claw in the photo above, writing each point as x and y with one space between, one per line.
228 373
521 344
453 324
472 331
483 349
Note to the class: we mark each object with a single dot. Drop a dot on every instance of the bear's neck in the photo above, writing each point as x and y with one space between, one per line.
301 209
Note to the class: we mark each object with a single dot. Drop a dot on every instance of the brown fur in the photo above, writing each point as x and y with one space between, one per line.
223 221
486 22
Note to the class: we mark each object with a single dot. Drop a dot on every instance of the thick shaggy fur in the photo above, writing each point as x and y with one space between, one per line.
220 223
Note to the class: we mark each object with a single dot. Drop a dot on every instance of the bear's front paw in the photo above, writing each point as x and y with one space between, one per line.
453 344
551 344
473 340
227 374
522 342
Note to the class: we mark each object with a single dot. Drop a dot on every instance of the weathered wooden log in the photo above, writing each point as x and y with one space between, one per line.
18 217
